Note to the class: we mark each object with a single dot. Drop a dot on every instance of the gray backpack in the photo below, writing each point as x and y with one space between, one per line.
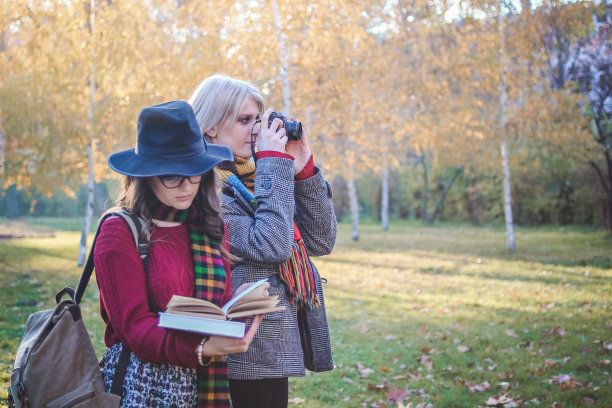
56 365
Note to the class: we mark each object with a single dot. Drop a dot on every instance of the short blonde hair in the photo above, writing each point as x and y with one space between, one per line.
219 98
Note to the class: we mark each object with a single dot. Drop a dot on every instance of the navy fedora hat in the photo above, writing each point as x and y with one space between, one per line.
169 142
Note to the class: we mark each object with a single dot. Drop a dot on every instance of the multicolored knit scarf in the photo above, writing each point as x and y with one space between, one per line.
210 281
242 168
295 273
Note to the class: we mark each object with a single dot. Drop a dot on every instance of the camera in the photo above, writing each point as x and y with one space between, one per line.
293 128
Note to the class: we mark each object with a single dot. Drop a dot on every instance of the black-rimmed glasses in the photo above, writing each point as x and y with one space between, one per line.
175 181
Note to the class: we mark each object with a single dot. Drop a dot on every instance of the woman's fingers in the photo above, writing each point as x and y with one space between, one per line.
226 345
250 334
271 137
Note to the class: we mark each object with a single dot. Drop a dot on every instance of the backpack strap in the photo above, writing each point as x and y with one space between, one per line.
141 240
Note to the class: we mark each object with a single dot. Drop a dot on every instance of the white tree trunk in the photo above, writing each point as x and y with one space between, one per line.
352 190
2 138
503 102
507 198
283 58
384 207
90 183
88 210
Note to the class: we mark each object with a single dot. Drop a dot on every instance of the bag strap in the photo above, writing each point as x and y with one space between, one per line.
141 239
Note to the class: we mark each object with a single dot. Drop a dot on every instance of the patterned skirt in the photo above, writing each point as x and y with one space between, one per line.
151 385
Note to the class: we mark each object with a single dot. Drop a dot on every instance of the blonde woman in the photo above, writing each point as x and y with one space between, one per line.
279 212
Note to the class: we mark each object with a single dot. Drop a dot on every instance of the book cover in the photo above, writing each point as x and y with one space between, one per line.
201 316
198 324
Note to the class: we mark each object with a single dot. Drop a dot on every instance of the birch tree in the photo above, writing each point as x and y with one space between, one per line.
91 176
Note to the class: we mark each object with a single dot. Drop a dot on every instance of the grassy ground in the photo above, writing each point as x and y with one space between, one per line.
438 316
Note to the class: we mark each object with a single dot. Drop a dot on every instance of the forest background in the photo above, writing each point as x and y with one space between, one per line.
487 112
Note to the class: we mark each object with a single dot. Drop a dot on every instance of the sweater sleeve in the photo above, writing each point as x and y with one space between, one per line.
123 294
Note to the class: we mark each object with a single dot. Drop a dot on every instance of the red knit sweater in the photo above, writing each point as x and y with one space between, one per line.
123 294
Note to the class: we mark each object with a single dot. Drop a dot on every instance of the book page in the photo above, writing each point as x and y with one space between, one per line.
246 313
248 292
252 304
189 305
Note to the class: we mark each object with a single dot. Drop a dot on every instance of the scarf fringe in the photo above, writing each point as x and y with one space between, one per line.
297 275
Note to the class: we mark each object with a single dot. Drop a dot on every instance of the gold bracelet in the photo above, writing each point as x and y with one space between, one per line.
200 352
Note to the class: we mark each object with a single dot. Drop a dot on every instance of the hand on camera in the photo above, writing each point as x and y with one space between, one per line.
299 150
273 137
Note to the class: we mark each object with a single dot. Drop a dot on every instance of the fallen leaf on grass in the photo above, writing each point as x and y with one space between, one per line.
426 361
386 369
605 362
407 375
503 400
547 305
504 376
411 405
571 384
559 379
485 386
557 331
363 371
377 387
462 349
566 382
395 395
549 363
347 380
296 400
505 385
511 333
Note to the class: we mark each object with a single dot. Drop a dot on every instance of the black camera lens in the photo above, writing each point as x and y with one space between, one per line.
293 128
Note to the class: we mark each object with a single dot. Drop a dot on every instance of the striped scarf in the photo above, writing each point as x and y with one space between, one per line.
242 168
210 280
295 273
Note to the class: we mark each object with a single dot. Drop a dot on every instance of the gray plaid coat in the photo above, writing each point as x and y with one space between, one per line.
263 239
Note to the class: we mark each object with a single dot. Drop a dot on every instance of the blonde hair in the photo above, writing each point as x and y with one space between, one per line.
219 98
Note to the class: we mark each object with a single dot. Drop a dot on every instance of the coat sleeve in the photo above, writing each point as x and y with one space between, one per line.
266 235
315 215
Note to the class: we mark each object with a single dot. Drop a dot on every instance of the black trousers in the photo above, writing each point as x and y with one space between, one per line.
266 393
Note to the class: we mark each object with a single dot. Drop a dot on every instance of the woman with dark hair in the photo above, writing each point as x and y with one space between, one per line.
168 182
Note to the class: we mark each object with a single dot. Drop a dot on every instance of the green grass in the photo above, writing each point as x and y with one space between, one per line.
419 312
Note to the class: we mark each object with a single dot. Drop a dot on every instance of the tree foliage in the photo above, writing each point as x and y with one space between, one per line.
377 83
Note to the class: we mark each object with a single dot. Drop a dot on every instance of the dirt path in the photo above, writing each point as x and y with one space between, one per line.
17 229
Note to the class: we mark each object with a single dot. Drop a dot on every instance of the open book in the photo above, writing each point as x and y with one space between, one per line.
201 316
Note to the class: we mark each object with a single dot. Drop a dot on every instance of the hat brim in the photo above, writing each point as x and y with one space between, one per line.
127 162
